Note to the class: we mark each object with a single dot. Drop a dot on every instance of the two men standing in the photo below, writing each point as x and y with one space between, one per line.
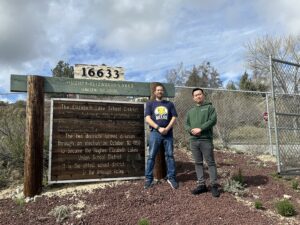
161 116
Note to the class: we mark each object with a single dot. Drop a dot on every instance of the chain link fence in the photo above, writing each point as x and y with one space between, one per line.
285 93
241 122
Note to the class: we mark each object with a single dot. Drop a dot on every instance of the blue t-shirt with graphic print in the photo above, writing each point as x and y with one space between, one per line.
161 112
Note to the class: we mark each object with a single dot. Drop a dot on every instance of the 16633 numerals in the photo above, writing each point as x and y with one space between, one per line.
106 72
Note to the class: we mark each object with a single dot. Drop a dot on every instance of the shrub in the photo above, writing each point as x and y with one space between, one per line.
12 130
20 200
276 176
285 208
295 184
235 187
258 204
3 178
239 177
144 221
60 213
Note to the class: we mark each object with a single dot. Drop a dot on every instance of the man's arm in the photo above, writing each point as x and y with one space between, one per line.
151 122
187 125
162 130
212 120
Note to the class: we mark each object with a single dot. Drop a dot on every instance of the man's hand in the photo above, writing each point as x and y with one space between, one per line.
196 131
163 130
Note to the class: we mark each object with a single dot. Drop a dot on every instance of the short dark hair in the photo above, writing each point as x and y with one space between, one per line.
197 89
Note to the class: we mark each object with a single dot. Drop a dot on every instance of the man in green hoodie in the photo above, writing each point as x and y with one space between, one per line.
199 124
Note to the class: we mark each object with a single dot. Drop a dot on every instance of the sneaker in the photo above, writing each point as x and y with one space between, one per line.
214 191
173 183
148 184
199 189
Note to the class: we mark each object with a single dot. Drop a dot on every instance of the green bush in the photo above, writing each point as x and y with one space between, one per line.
239 177
276 176
20 201
258 204
285 208
3 179
295 184
234 187
12 136
60 213
144 221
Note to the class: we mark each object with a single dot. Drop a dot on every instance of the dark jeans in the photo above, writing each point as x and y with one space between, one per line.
156 139
200 149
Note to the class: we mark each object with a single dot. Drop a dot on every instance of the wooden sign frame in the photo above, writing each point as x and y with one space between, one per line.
51 141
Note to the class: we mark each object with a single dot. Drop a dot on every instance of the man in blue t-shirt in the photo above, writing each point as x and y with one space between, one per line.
160 115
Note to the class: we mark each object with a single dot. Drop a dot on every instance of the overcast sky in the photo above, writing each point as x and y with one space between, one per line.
146 37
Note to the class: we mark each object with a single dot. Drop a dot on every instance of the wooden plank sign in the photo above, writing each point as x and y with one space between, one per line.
98 72
96 140
90 87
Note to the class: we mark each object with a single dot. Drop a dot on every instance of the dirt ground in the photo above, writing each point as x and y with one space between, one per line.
128 202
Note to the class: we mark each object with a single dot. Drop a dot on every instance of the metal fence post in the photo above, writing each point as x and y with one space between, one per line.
274 113
269 125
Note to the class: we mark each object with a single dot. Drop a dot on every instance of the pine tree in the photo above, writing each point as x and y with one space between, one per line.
231 86
63 69
246 83
194 79
204 75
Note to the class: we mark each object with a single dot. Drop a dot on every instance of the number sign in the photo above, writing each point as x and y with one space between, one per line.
98 72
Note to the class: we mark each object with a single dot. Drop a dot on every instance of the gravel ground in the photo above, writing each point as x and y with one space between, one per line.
128 202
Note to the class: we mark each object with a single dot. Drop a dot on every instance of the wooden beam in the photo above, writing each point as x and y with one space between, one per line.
33 158
91 87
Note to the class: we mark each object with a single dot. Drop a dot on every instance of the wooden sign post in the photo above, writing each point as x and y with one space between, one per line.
33 155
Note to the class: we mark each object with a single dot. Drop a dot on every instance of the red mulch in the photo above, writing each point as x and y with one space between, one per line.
129 202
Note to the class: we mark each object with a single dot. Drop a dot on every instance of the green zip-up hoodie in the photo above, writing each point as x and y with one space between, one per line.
201 116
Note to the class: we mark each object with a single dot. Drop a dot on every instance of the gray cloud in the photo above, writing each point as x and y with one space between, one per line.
148 35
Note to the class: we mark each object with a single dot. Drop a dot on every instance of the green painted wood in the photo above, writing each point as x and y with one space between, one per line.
93 87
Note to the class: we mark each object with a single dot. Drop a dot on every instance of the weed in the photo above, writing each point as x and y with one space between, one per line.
144 221
295 184
258 204
235 187
239 177
228 161
276 176
20 201
288 178
3 179
60 213
285 208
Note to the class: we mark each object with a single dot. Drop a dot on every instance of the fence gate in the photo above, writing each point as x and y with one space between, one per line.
285 78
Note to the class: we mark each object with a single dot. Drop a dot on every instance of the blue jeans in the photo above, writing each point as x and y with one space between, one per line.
155 141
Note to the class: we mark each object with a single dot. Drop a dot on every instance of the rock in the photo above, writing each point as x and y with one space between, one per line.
35 198
28 199
256 196
287 196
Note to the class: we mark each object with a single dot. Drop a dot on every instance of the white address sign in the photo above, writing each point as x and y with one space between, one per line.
98 72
